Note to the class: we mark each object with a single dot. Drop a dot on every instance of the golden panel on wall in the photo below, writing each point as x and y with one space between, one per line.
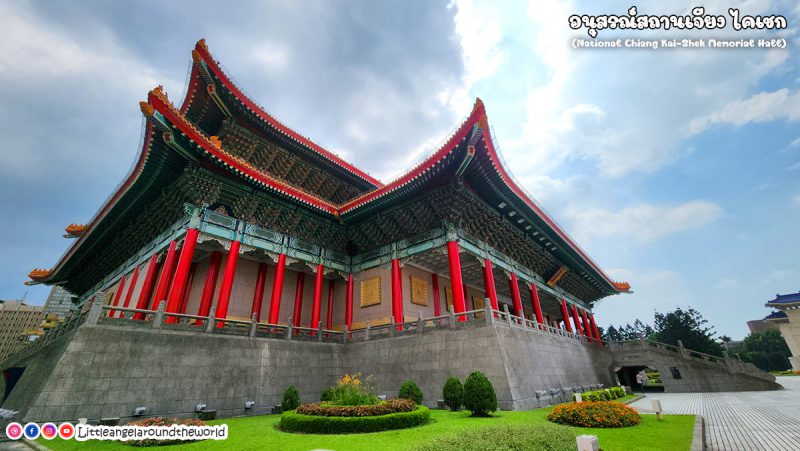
419 291
370 292
448 295
477 303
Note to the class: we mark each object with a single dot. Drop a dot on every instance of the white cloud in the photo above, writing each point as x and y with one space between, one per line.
761 107
796 200
643 222
273 56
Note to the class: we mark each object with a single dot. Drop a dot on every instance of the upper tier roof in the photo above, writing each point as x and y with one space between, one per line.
784 300
472 138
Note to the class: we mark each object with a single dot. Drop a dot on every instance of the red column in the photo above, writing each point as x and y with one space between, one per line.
188 290
456 283
131 287
594 328
587 329
537 308
166 276
147 287
117 295
210 284
488 283
348 301
437 300
513 284
329 318
316 304
565 315
397 292
181 274
227 282
298 299
258 294
277 290
576 319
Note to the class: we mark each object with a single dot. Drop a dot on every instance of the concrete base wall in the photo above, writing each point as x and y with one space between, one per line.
108 371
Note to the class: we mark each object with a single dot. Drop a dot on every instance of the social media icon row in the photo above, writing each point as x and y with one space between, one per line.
32 431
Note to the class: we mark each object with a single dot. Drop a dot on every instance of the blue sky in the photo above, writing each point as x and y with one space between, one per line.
677 170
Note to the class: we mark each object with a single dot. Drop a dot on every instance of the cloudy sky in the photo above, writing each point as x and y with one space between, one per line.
677 170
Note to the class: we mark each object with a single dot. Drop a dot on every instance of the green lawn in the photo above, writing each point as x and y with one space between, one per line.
673 433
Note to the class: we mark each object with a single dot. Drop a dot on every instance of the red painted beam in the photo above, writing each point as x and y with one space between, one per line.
565 315
456 282
117 295
537 307
165 277
329 317
437 299
258 293
488 283
576 319
316 300
277 290
228 276
131 287
513 284
181 274
147 287
298 299
188 290
210 284
397 292
348 309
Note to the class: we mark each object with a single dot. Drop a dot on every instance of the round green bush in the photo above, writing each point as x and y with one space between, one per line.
479 396
410 390
453 393
517 437
291 399
313 424
326 395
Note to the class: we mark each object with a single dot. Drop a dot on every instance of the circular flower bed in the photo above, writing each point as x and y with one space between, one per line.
596 414
322 421
503 437
159 421
333 410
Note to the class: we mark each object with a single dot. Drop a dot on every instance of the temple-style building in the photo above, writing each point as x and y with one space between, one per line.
227 208
787 319
239 257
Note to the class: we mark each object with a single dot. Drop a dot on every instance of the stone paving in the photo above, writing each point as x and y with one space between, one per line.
764 420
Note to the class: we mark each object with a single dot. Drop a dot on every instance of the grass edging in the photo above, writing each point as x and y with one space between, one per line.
296 422
634 399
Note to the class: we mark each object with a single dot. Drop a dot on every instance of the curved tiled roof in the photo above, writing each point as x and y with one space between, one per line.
784 299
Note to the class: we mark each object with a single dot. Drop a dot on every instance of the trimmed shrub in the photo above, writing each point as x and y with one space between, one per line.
159 421
479 396
600 414
297 422
326 395
606 394
410 390
453 393
291 399
517 437
332 410
619 391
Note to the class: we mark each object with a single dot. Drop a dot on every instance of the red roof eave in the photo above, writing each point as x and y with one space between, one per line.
206 56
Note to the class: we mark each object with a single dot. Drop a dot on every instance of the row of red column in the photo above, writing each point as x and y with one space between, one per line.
175 290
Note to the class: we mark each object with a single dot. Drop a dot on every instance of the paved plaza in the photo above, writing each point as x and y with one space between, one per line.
764 420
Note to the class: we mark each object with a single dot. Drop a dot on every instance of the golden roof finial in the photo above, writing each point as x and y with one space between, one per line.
39 274
147 109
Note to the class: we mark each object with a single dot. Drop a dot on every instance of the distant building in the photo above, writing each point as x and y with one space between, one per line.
59 302
769 322
788 323
16 317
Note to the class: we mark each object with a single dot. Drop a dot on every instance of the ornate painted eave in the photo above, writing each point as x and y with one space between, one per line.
159 102
91 226
201 54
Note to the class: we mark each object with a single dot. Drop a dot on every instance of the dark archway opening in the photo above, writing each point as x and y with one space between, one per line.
627 376
11 377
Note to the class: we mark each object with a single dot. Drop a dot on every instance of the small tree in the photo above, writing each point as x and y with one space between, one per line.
479 396
291 399
453 393
410 390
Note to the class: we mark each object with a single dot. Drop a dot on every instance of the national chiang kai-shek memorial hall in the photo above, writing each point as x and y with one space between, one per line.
239 257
